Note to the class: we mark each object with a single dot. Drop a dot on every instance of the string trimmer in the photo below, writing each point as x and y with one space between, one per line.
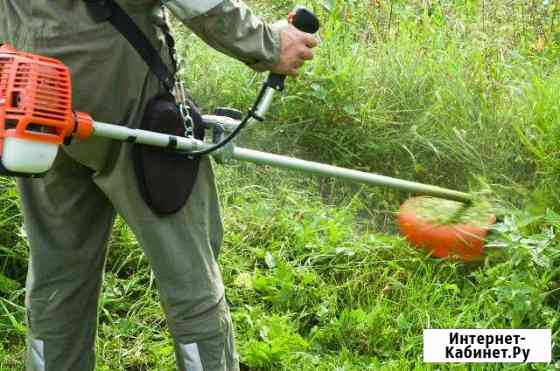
36 118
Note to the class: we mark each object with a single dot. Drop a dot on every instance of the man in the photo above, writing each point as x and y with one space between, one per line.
68 214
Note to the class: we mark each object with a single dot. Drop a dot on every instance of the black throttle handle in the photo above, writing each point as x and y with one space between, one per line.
304 20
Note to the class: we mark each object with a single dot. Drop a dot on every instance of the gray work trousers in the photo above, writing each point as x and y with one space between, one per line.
69 214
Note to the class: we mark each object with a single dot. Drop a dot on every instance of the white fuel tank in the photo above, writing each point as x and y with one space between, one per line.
26 156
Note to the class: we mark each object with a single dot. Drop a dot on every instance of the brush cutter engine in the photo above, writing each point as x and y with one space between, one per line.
36 113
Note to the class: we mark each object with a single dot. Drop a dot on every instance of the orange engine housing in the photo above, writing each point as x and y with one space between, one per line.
36 99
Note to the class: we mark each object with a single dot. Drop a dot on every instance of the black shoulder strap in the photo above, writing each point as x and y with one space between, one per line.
109 10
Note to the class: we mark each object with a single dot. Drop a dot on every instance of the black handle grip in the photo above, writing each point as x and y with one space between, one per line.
304 20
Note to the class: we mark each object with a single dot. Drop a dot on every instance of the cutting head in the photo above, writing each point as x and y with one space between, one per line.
446 229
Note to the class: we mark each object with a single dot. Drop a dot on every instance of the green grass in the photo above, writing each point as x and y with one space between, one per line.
452 93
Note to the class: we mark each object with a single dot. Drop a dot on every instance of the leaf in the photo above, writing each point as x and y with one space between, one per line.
270 260
404 324
329 5
350 110
8 285
263 333
344 251
552 217
17 325
451 287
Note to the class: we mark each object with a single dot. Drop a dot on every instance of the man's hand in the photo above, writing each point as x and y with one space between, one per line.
295 48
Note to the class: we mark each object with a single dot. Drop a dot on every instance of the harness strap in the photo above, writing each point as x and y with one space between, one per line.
109 10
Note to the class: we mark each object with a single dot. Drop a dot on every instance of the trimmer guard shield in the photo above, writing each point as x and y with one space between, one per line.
457 241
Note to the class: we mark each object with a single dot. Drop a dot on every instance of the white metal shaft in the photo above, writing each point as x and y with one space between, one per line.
265 102
123 133
243 154
263 158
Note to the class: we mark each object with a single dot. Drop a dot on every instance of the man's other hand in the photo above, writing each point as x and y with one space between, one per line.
295 48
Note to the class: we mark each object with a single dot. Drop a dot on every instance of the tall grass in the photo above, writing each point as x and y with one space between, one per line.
435 96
